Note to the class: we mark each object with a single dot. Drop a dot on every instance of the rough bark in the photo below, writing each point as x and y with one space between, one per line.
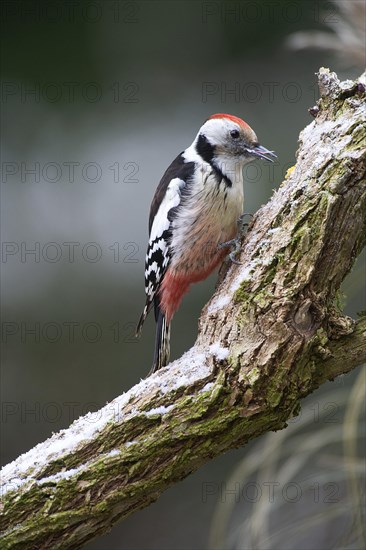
271 334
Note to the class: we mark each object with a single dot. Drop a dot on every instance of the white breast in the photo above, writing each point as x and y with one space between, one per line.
205 219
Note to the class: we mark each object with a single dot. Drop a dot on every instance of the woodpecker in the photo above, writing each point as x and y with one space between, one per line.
195 209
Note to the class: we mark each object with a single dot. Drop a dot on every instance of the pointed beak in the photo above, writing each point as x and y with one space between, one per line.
262 153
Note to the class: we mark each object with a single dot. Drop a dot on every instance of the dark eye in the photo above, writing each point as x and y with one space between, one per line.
235 134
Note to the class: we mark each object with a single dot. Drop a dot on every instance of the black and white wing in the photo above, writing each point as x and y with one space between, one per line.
166 199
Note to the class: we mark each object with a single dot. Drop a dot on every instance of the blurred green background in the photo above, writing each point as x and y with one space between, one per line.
97 98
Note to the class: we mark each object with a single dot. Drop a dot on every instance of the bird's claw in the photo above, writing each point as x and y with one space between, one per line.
235 243
234 253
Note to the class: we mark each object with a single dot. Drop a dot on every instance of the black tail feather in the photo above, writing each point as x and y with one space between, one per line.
162 341
144 314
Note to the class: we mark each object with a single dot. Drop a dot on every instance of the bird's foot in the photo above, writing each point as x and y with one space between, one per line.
235 243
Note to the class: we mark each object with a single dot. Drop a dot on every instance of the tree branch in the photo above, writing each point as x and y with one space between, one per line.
270 335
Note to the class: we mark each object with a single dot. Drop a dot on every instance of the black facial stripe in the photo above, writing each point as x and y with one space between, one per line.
220 176
207 152
205 149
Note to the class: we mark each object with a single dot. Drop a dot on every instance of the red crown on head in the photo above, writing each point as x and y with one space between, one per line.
230 117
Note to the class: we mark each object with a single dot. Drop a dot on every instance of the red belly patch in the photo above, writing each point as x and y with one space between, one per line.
176 283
